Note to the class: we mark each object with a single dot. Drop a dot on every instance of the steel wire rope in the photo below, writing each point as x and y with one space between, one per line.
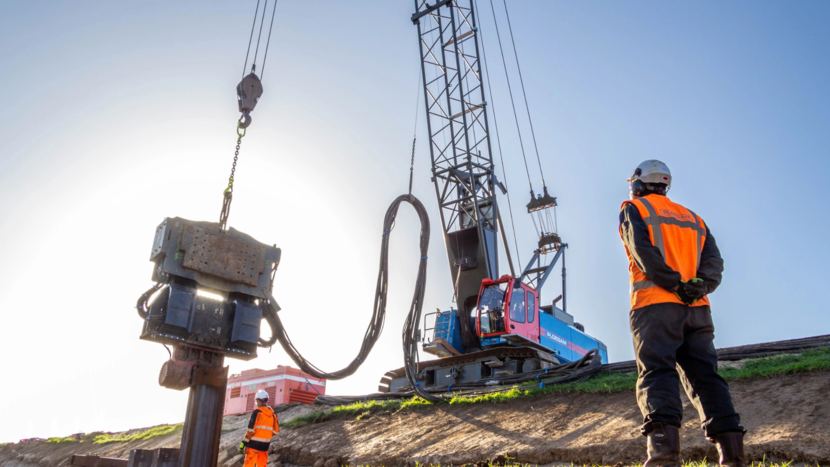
521 80
259 36
510 90
414 134
250 39
496 125
268 42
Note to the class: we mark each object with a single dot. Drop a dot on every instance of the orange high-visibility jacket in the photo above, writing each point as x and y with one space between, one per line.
679 234
261 427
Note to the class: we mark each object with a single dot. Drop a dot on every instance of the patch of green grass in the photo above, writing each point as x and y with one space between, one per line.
810 360
161 430
600 384
412 403
358 410
311 418
68 439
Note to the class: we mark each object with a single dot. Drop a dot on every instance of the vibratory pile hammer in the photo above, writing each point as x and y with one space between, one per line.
213 289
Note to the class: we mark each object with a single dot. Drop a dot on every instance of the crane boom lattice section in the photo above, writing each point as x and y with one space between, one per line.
462 163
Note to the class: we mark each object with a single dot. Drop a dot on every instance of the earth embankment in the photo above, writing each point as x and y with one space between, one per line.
786 418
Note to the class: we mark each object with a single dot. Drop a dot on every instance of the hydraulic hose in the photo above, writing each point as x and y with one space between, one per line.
373 331
141 303
269 312
581 369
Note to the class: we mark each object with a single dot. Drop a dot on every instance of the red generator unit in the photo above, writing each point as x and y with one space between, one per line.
283 385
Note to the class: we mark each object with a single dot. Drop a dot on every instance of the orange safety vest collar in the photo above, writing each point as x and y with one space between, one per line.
679 234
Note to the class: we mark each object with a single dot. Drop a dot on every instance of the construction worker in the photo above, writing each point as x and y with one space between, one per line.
261 427
674 263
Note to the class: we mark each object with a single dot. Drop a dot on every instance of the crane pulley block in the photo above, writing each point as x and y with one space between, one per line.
248 92
541 201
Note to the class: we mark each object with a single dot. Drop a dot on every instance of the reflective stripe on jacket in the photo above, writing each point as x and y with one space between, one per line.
679 234
261 427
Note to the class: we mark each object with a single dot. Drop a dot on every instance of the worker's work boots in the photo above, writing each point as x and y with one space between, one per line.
663 446
731 448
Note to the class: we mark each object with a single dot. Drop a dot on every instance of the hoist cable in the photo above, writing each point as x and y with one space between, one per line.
259 36
521 80
268 42
510 89
241 128
248 52
496 125
414 134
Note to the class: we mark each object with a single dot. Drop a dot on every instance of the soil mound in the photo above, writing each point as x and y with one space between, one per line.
786 418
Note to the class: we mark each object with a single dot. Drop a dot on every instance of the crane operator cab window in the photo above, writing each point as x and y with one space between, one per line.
531 307
517 305
491 309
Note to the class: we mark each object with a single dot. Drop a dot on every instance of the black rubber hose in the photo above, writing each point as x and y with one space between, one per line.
581 369
375 327
141 304
270 316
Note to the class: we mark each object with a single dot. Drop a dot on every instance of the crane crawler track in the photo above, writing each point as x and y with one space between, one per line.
503 352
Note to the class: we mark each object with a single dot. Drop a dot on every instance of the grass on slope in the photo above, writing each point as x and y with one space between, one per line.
810 360
161 430
68 439
107 438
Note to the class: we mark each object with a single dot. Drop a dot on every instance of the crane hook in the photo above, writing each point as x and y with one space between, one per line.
244 121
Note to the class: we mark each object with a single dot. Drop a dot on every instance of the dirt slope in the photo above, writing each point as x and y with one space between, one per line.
39 453
787 418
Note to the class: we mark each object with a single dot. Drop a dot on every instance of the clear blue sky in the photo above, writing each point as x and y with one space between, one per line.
118 114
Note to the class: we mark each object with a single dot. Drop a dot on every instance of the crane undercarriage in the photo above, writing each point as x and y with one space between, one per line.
470 368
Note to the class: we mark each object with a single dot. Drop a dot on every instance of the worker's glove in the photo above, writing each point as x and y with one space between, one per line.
682 295
695 288
242 447
690 292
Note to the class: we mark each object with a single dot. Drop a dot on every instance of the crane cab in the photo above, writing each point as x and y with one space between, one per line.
506 306
508 314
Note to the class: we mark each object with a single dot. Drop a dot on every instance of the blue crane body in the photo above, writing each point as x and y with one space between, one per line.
556 329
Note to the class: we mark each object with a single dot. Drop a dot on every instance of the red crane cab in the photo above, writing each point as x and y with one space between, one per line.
506 306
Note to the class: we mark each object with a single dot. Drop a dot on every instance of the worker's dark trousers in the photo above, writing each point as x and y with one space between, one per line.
674 343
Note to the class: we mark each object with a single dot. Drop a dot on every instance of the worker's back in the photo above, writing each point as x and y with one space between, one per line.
680 235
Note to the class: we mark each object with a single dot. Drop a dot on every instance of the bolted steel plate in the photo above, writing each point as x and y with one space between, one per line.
222 255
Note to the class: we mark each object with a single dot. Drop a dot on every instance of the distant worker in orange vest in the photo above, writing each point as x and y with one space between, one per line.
674 263
262 426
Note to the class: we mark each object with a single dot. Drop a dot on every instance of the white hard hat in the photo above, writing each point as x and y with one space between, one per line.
261 395
652 171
